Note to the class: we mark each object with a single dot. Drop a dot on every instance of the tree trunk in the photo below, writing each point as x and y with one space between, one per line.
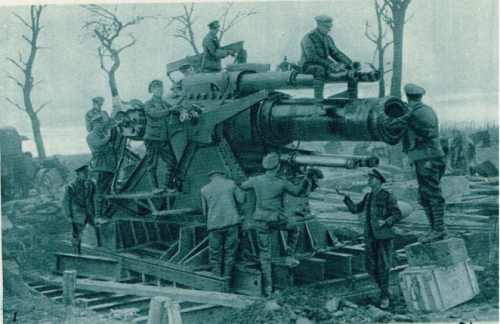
37 134
398 9
381 69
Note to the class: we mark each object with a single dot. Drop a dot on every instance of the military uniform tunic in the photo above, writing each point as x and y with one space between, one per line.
103 166
219 202
78 205
379 249
212 54
93 112
157 140
316 52
270 215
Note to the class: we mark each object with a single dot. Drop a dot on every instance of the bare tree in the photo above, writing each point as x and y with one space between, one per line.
185 26
227 22
105 26
396 21
26 67
381 43
186 21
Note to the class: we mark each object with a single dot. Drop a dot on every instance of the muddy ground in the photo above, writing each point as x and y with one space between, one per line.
31 245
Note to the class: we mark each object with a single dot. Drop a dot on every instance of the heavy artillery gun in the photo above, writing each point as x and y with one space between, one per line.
239 117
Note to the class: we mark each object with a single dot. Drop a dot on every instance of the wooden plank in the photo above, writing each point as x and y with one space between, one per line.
358 252
101 307
337 264
188 295
180 211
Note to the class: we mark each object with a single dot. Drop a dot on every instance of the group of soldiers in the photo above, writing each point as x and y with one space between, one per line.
83 201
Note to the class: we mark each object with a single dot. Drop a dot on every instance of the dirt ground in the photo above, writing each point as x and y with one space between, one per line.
299 305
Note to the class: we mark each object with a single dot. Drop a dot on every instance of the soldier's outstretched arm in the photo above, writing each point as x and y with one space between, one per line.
154 112
295 190
336 54
247 184
238 194
354 208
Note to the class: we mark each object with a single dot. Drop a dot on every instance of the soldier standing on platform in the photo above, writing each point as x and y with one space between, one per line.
103 162
270 214
422 145
212 54
96 110
317 48
382 212
157 138
78 205
219 199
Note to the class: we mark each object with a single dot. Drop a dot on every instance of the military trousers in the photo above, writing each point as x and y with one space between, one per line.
77 231
264 231
379 259
103 182
223 244
156 151
429 173
318 71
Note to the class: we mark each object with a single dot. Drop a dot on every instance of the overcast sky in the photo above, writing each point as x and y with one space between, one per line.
450 48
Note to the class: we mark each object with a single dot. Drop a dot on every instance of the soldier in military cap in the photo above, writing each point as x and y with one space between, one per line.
382 212
212 54
103 162
422 145
317 48
78 205
270 214
157 138
219 203
96 110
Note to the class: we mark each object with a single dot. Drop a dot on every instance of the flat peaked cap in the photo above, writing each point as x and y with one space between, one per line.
98 99
215 172
214 24
96 118
323 19
414 90
154 83
82 168
271 161
376 174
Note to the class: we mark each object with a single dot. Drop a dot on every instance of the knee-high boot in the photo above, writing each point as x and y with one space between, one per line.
319 86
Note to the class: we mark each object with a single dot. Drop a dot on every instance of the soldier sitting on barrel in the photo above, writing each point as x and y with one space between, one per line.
381 212
317 48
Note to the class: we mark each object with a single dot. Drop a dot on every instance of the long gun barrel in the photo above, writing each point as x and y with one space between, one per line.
332 161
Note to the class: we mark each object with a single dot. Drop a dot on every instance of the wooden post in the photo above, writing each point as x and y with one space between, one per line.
493 238
163 310
69 283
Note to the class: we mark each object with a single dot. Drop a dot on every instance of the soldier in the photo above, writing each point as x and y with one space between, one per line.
212 54
270 215
103 162
381 212
96 110
219 199
157 139
422 145
317 48
462 152
78 204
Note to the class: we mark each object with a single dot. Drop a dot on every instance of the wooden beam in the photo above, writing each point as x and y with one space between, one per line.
68 284
337 264
187 295
310 270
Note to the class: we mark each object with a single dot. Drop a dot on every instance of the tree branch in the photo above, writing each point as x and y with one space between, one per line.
24 21
387 44
15 104
45 104
102 60
126 46
16 64
16 81
390 70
